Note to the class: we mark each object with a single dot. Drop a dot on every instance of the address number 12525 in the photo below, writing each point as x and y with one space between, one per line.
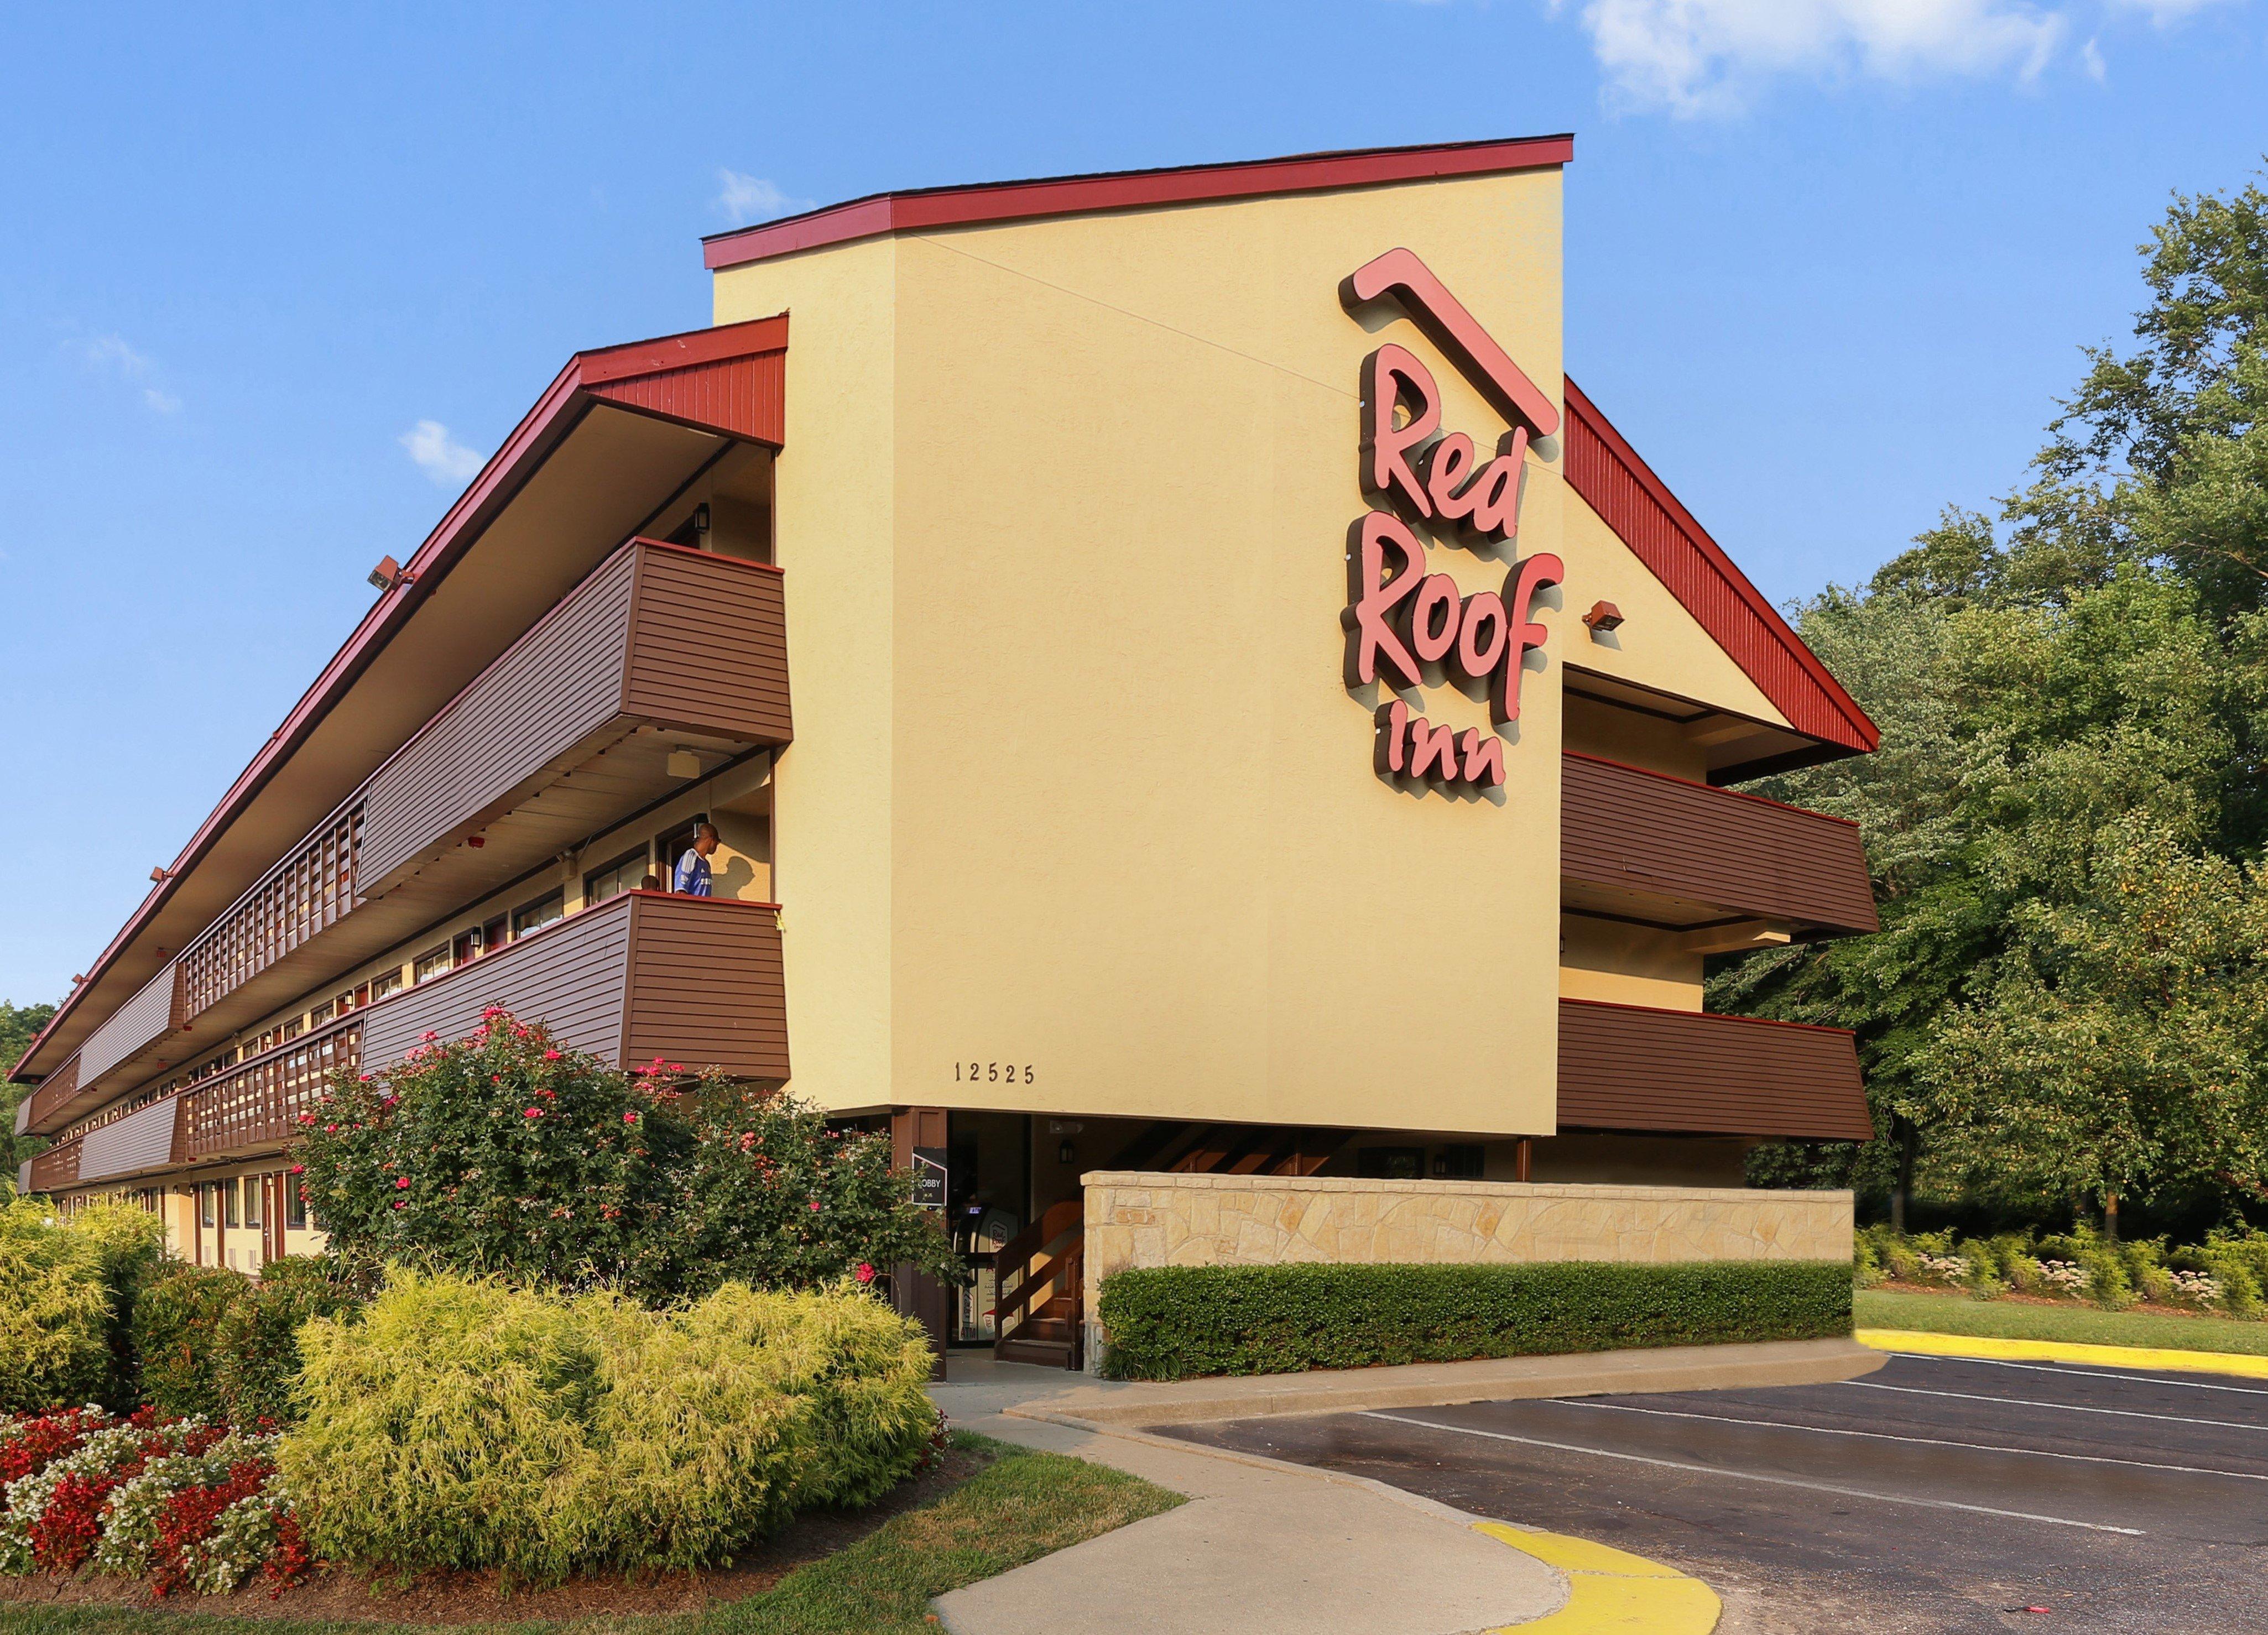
993 1073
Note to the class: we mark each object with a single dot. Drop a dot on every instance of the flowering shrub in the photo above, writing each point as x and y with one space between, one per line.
2223 1275
2062 1277
504 1154
190 1504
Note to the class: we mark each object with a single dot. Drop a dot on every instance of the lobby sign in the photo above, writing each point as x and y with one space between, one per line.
1402 620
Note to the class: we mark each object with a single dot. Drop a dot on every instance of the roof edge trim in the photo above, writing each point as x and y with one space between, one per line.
982 203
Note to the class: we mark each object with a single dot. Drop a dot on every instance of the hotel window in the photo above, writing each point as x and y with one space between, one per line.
295 1205
430 965
293 1028
385 983
611 881
529 915
228 1202
320 1014
206 1194
252 1189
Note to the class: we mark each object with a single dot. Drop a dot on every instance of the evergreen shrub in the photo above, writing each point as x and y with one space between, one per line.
461 1423
256 1337
1173 1323
176 1327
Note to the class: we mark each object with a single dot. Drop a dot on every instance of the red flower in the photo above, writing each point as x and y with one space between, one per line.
402 1183
299 1169
430 1035
553 1055
814 1206
397 1202
865 1273
330 1129
533 1112
629 1118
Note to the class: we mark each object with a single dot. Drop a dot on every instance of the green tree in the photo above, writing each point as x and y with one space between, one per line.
20 1025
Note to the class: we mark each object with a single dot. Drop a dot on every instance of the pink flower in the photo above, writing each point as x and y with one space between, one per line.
551 1056
865 1273
430 1035
306 1118
492 1013
397 1202
330 1129
814 1206
366 1078
629 1118
402 1183
299 1169
533 1112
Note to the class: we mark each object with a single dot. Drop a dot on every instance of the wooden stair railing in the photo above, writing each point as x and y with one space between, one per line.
1038 1310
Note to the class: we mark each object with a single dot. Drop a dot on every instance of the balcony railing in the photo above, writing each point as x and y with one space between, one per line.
1628 1067
693 980
53 1094
258 1103
304 894
660 653
1663 848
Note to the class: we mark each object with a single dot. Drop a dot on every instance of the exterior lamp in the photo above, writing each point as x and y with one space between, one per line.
683 763
388 574
1603 619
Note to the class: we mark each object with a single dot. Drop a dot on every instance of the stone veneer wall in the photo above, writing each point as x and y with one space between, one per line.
1142 1218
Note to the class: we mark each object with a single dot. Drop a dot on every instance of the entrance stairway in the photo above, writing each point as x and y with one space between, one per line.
1039 1309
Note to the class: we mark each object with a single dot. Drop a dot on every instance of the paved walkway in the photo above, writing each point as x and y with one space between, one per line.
1268 1548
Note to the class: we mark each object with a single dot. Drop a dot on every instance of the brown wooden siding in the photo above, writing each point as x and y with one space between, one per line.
709 645
150 1015
549 691
706 988
1641 831
1628 1067
691 980
570 976
142 1141
258 1102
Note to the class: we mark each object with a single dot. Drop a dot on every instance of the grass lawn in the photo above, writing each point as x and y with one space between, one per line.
1022 1505
2081 1325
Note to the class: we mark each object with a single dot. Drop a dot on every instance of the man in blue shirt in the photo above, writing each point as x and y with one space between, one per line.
692 878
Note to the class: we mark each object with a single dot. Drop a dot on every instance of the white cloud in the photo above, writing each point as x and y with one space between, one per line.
745 199
1710 56
110 355
438 455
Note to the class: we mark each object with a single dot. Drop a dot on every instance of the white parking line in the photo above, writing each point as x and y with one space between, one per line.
1751 1475
2071 1408
1919 1441
2077 1371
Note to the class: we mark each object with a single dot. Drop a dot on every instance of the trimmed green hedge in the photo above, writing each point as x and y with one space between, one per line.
1176 1323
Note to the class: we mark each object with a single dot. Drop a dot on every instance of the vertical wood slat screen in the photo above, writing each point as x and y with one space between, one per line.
304 894
262 1100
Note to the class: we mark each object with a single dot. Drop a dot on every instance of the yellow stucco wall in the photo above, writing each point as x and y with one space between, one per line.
1077 789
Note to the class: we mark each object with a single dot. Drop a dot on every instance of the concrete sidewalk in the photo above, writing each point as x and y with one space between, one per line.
1265 1547
1262 1548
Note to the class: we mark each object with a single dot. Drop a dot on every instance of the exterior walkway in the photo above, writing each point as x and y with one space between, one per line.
1266 1546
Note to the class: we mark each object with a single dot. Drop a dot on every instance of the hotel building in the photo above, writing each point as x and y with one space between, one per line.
1185 684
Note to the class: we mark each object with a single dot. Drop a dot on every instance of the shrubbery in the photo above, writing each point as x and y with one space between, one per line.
461 1423
66 1286
2225 1274
503 1154
1173 1323
216 1343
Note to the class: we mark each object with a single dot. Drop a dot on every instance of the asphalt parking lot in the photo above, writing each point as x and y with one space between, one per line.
1933 1495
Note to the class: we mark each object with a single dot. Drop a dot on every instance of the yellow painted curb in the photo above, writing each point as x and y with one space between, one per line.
1610 1590
2063 1351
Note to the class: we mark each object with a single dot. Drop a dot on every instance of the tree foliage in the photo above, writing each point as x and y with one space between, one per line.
2066 822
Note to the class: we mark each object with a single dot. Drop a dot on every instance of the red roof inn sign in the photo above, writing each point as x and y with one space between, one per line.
1401 620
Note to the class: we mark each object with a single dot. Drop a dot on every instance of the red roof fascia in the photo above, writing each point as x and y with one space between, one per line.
657 376
1603 468
981 202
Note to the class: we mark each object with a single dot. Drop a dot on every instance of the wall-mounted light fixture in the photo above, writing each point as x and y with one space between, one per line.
1603 619
701 517
388 574
683 763
1066 1154
161 874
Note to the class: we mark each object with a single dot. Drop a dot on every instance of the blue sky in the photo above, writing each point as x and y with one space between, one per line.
272 278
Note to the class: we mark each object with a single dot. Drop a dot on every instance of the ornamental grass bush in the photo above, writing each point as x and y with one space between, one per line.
56 1308
461 1423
